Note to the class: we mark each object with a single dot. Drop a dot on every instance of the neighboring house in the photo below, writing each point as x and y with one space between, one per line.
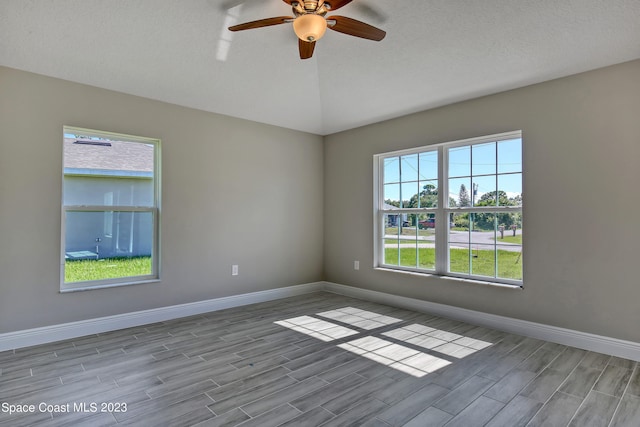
392 220
104 173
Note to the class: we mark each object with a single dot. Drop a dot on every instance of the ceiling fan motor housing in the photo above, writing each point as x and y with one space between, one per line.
310 6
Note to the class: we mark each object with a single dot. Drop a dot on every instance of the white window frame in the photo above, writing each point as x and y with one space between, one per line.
154 210
442 211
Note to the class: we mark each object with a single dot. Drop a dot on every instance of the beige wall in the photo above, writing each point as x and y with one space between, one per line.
581 137
238 192
233 192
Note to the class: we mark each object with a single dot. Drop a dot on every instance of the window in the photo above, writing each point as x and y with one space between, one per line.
110 210
452 209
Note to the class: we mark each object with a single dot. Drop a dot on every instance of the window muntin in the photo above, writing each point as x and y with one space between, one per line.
110 209
479 223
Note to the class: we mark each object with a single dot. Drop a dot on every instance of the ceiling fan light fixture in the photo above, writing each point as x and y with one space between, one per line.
310 27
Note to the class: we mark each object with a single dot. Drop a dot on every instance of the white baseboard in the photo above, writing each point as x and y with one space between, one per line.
46 334
586 341
592 342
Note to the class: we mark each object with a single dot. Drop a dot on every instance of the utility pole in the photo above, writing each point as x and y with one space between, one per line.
474 188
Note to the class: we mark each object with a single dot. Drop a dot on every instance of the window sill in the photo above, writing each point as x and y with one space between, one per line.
453 278
88 287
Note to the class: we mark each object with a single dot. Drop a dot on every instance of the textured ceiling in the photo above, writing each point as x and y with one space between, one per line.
436 52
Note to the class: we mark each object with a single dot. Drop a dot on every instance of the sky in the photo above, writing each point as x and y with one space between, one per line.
478 164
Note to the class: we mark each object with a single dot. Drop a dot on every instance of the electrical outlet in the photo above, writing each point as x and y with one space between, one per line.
356 265
234 270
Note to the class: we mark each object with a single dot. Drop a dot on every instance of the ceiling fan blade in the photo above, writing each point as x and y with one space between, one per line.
352 27
306 49
261 23
337 4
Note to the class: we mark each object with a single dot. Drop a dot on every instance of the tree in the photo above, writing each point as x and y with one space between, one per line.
427 198
489 199
429 190
463 197
486 221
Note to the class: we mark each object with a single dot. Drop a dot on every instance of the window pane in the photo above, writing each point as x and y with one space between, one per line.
510 262
409 168
511 185
428 194
483 227
100 171
460 192
484 159
90 254
411 220
426 222
92 191
409 194
392 169
391 240
426 241
429 165
483 260
459 226
509 230
483 190
510 156
459 243
408 244
460 161
459 259
391 196
509 245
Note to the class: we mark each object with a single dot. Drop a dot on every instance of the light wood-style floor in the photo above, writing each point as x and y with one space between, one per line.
319 359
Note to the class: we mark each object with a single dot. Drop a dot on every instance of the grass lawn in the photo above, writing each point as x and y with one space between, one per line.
108 268
510 239
482 262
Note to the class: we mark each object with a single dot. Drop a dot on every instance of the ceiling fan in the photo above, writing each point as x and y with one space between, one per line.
310 23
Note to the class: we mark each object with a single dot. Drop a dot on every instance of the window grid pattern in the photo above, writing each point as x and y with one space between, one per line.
479 223
410 186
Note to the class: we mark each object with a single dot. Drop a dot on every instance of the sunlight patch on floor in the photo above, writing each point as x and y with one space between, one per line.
396 356
444 342
325 331
360 318
406 358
